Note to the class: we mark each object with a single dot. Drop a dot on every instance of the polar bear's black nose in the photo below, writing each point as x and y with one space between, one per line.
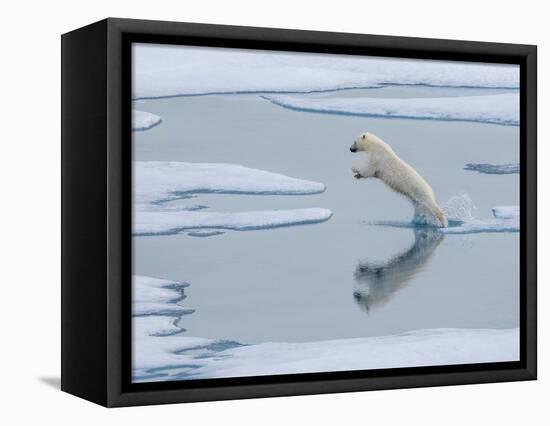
352 149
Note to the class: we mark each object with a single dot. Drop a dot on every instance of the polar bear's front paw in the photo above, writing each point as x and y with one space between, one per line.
356 172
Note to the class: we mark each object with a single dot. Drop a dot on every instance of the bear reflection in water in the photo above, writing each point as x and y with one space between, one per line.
378 281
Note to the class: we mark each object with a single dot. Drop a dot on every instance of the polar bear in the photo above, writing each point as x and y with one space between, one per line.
382 163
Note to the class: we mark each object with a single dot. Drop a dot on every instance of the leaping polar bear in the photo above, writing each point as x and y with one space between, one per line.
382 163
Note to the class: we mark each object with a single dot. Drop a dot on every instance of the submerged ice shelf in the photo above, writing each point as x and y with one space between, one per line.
157 183
505 219
163 71
477 226
495 109
142 120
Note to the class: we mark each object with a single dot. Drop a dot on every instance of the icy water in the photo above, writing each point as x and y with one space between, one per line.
344 277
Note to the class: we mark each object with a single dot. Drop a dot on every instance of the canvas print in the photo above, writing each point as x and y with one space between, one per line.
303 212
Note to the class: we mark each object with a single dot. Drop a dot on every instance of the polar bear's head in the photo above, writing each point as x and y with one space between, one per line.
363 143
370 144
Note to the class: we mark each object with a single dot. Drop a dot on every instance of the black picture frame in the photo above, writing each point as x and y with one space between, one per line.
96 212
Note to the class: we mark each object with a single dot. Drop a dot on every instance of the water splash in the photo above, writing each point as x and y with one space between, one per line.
459 209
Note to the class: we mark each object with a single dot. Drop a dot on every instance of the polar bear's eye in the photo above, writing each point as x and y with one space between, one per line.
363 136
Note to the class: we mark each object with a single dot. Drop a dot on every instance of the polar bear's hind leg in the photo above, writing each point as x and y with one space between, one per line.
430 216
441 217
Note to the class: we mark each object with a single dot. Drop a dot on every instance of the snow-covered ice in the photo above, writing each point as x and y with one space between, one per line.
412 349
161 71
180 357
496 109
172 222
506 212
142 120
493 169
156 296
158 182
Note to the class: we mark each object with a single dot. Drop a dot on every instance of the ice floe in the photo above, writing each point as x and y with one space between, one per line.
506 212
159 182
161 71
493 169
155 296
180 357
172 222
496 109
142 120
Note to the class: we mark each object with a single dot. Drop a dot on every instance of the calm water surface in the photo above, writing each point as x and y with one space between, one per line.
341 278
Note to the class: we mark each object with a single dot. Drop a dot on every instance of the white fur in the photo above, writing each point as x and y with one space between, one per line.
382 163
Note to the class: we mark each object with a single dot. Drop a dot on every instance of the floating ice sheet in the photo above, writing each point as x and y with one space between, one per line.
170 222
496 109
161 71
478 226
475 226
179 357
159 182
506 212
142 120
155 296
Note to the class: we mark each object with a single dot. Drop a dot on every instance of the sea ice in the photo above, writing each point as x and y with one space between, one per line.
172 222
179 357
477 226
506 212
496 109
161 71
203 233
493 169
154 296
142 120
159 182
